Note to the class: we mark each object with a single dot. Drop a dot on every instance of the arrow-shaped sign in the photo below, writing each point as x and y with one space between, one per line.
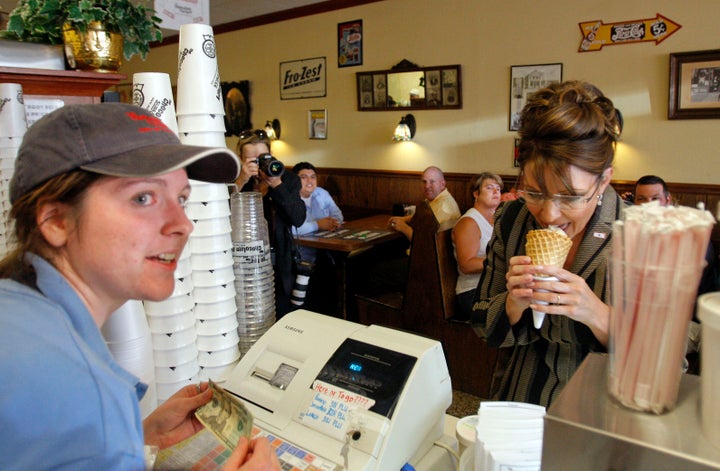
597 34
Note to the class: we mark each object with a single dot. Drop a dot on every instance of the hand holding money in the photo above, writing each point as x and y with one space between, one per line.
226 417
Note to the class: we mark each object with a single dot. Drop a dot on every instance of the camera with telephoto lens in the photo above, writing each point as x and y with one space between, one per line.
269 165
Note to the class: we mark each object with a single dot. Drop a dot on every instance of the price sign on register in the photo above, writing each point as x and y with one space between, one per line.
329 408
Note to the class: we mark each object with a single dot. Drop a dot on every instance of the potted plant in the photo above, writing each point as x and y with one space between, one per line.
43 21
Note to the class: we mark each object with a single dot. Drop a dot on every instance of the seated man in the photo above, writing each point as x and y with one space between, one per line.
321 214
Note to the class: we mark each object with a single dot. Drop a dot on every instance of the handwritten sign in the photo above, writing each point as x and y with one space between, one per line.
328 410
597 34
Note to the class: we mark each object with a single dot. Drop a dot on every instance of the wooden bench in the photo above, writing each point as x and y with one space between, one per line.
427 306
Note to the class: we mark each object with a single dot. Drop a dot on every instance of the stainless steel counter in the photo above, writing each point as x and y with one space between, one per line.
585 429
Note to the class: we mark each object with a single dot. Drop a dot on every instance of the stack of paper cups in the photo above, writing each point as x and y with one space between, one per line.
172 323
127 336
152 91
708 306
214 279
200 110
13 124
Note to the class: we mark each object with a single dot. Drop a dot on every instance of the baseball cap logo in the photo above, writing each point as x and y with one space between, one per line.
153 124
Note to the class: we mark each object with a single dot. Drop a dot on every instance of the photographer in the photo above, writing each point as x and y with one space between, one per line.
282 207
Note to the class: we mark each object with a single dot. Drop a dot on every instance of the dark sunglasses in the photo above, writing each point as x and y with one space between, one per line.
250 133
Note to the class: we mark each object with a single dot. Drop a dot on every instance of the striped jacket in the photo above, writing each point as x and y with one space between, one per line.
542 361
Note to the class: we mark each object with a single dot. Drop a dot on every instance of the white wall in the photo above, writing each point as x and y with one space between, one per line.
486 38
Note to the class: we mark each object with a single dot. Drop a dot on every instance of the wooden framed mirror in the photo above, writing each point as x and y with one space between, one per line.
408 87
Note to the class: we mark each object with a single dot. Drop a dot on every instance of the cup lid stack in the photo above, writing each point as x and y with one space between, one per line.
13 124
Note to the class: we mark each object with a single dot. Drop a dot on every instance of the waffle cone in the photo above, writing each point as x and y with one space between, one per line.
548 247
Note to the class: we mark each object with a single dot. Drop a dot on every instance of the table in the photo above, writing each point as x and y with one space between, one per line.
352 239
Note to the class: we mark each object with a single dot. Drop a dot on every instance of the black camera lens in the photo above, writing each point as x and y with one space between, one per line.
270 166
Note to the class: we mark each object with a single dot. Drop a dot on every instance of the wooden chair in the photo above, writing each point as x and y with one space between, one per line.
428 303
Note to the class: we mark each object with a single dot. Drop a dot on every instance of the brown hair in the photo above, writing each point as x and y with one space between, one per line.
568 123
69 188
485 176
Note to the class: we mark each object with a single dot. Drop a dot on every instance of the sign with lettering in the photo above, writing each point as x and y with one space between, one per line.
597 34
302 79
329 408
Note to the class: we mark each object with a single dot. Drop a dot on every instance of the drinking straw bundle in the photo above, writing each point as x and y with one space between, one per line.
657 260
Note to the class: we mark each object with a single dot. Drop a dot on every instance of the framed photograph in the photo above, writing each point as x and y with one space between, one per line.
694 85
350 43
524 80
317 124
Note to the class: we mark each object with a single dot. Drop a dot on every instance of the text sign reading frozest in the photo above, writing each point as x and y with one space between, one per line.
302 79
329 408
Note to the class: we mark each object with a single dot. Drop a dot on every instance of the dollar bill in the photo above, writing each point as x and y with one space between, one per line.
225 416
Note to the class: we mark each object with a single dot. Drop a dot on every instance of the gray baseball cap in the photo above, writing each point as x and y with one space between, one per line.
113 139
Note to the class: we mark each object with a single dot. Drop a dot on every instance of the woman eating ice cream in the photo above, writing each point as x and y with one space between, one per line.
567 143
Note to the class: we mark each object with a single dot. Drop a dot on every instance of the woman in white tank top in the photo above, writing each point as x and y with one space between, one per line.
471 235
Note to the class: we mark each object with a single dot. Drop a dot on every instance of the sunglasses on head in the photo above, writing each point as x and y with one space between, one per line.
250 133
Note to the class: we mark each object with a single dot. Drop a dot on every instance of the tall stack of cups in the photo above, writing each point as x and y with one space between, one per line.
254 274
153 92
201 122
128 338
13 124
172 324
212 272
200 110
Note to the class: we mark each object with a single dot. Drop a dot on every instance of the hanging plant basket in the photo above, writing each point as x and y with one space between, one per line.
94 49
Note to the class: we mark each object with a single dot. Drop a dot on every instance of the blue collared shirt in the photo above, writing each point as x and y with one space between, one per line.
64 401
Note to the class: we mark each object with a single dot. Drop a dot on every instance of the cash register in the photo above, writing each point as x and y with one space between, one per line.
332 394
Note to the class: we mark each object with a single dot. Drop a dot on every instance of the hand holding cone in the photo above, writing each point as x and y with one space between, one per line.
549 247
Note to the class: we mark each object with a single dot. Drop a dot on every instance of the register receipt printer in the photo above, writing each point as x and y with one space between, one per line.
371 397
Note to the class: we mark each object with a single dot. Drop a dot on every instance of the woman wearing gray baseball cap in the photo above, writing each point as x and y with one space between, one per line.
98 199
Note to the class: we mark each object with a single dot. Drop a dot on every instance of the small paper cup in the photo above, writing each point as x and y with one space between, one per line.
171 306
171 340
208 209
173 374
202 122
213 294
211 226
175 356
217 342
218 357
174 323
215 277
211 261
202 192
217 373
216 310
165 390
203 138
216 326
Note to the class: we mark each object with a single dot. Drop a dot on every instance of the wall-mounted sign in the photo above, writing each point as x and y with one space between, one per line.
302 79
597 34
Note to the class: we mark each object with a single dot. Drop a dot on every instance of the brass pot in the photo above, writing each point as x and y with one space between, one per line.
96 49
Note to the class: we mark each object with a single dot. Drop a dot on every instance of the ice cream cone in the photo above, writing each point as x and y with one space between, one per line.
549 247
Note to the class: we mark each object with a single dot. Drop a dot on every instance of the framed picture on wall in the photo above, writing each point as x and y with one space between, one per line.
694 85
317 124
350 44
524 80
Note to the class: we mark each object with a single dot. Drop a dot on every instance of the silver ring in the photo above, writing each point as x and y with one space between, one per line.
557 299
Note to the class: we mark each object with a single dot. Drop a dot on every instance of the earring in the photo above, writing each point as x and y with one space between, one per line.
600 198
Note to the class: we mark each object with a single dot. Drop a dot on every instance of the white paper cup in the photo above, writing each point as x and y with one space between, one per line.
198 86
465 431
10 142
165 390
212 294
173 374
184 268
211 261
183 286
214 277
216 326
217 342
217 373
171 306
174 323
210 244
175 356
7 163
126 323
13 121
203 138
218 357
170 340
202 192
152 91
212 226
709 314
216 310
208 209
192 123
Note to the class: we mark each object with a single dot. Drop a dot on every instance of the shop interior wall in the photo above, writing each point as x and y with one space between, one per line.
486 38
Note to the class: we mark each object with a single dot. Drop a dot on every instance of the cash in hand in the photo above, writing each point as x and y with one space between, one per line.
225 416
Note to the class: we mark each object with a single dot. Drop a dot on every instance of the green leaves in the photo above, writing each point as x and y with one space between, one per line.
42 21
